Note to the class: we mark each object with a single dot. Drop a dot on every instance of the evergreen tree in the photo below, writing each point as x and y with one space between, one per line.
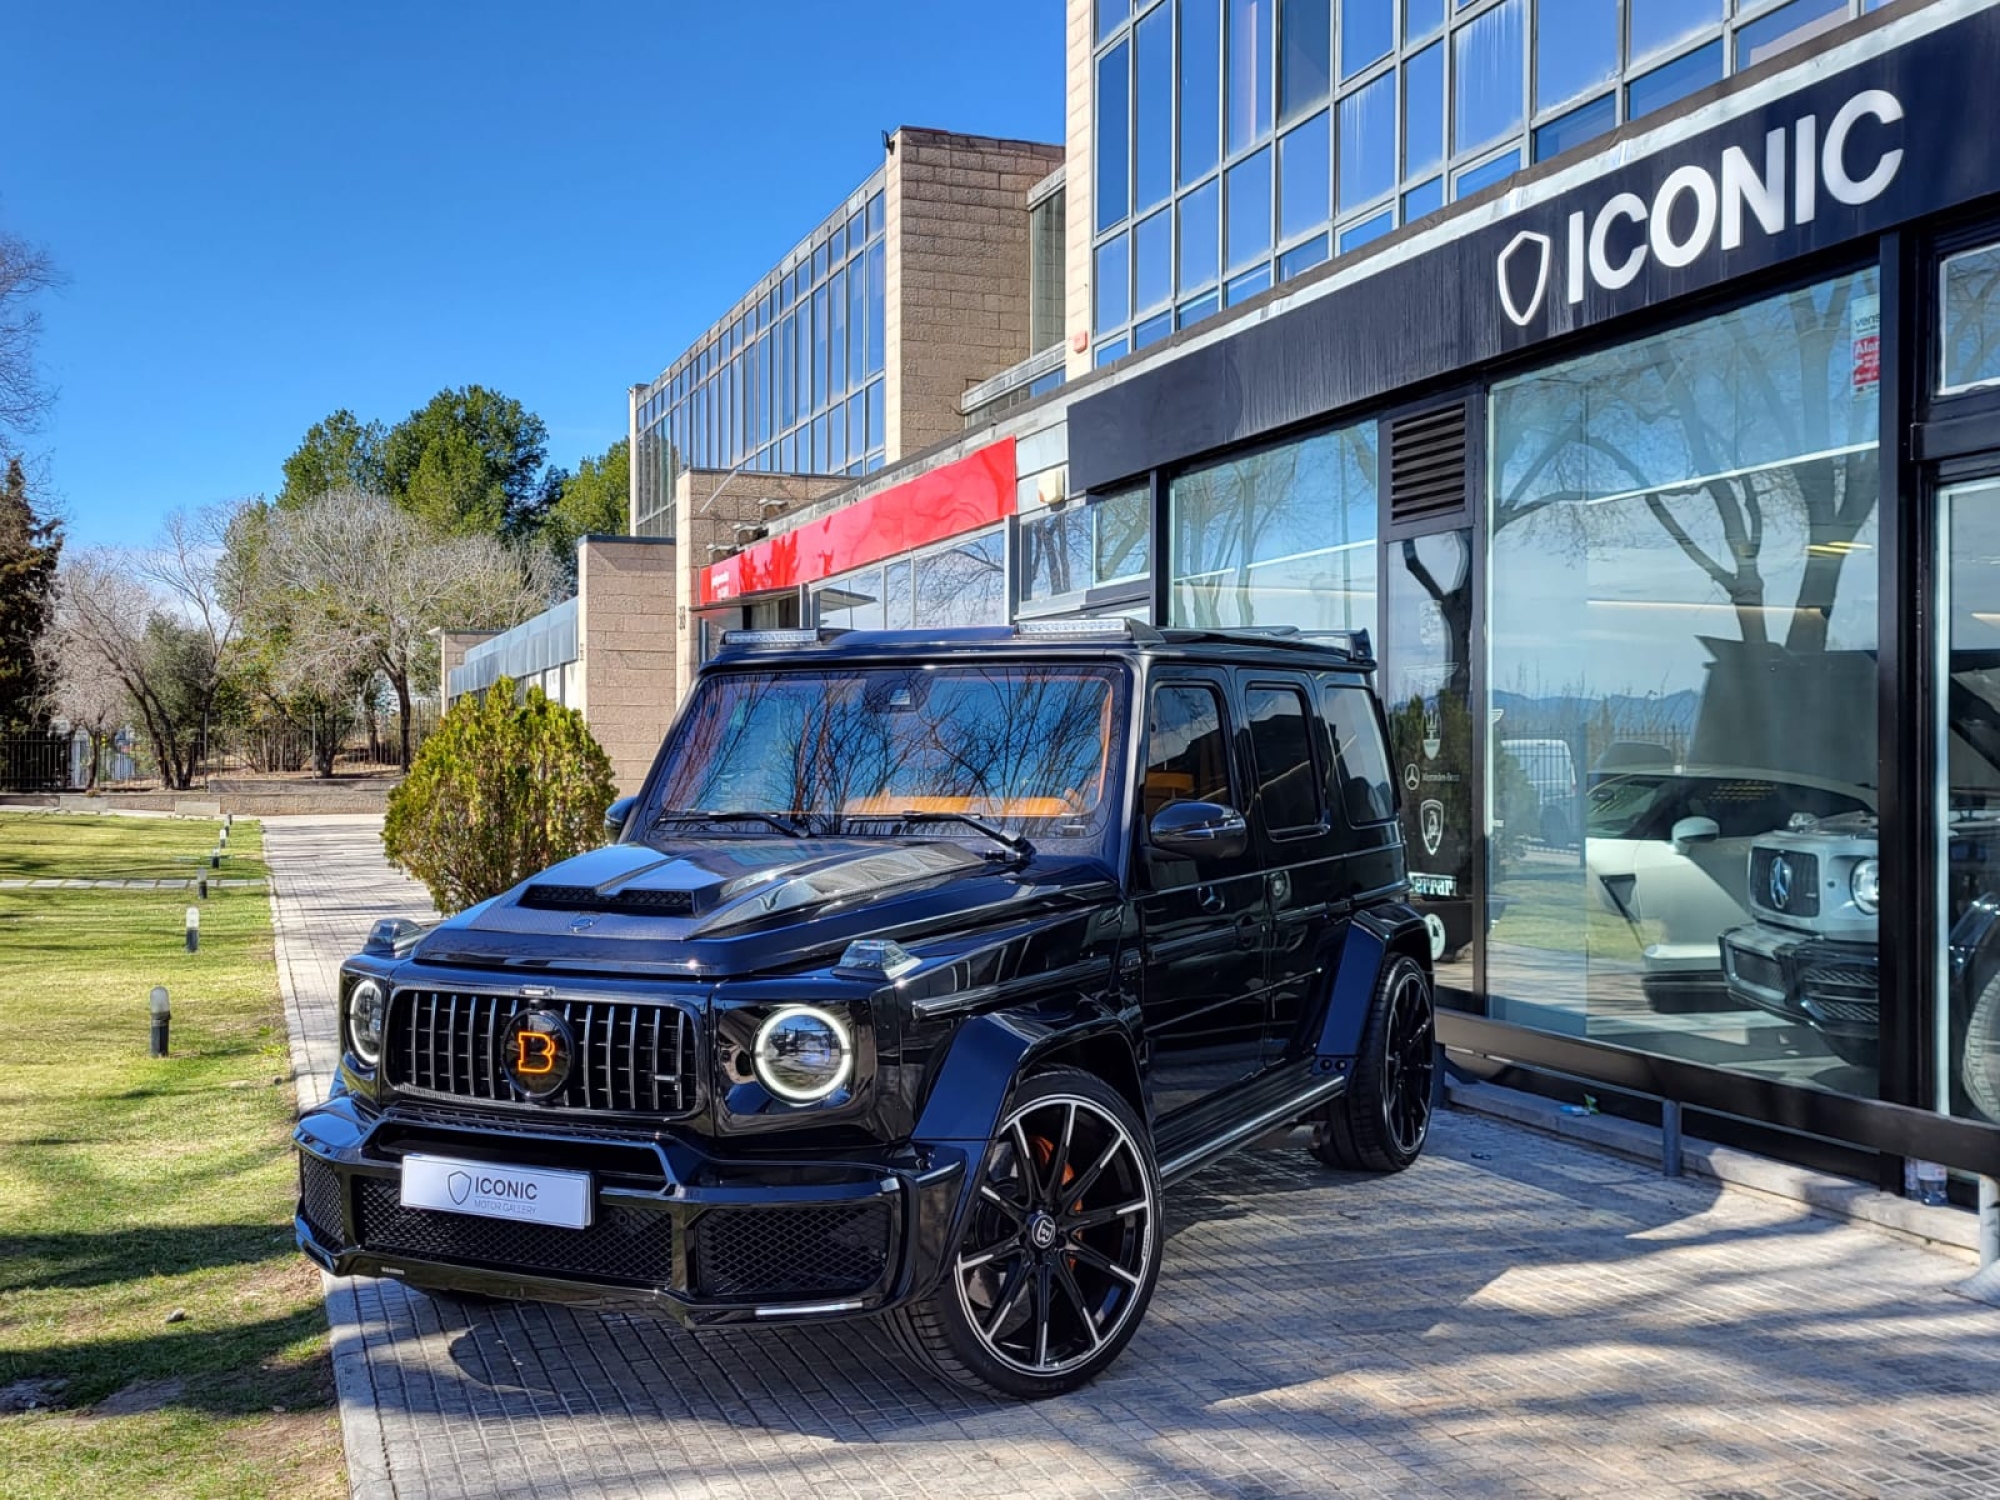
29 546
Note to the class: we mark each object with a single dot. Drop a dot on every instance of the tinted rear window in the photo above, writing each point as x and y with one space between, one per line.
1361 781
1282 747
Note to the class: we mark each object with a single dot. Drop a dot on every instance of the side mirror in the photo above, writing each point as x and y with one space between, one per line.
1695 831
1199 830
615 815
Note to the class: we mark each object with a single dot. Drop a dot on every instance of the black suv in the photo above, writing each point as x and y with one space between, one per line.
917 968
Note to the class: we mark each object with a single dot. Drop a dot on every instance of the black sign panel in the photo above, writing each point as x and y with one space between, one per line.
1846 155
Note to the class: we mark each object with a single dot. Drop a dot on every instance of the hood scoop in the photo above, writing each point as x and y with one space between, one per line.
642 902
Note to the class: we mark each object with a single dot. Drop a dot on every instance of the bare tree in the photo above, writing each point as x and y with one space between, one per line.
357 584
85 693
24 271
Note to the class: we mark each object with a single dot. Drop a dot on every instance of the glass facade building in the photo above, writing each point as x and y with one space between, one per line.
789 382
1238 143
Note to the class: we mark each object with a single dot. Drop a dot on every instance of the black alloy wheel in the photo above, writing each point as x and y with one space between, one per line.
1060 1249
1381 1122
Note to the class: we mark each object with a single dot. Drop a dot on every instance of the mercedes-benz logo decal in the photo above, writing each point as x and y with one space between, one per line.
1781 882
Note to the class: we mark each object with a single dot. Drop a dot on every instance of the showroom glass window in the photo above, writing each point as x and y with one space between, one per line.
1284 535
1681 687
959 583
1067 551
1251 140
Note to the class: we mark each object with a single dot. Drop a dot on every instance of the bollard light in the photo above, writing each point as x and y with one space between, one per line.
222 837
161 1016
215 858
194 928
201 885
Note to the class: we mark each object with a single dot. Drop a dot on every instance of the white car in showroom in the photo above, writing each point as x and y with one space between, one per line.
1667 849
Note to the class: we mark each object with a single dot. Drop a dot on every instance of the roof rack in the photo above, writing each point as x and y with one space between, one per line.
1355 645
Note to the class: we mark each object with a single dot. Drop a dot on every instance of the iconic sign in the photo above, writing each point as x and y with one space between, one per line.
536 1052
1697 204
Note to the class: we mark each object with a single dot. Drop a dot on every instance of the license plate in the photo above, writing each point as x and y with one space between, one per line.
527 1195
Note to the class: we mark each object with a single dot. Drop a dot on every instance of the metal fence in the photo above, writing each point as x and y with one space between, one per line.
35 763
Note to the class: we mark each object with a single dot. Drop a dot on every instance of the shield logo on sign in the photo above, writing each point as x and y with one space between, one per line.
1431 820
459 1185
1523 269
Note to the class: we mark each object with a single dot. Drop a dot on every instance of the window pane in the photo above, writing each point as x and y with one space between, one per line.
963 585
1153 250
1199 231
1187 750
1124 535
836 439
852 601
1055 553
1195 309
1354 236
1367 33
1304 33
877 427
1106 353
1576 127
1678 79
1423 111
1576 48
1201 74
1368 142
1971 319
1283 536
876 215
1360 770
1114 149
1486 64
1684 537
1472 179
1786 27
1303 176
877 296
1153 171
1302 257
1152 330
1421 18
1249 72
1658 24
1280 748
836 334
1246 286
1249 210
819 349
896 595
857 323
1112 284
857 426
1110 15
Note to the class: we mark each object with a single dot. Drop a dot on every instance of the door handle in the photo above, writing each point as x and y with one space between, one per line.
1209 897
1247 930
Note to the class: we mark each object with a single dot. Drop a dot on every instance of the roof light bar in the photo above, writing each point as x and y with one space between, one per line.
1086 627
778 640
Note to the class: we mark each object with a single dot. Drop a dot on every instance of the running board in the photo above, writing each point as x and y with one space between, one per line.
1190 1158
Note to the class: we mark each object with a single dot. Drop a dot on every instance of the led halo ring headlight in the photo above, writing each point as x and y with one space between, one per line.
367 1010
803 1054
1866 885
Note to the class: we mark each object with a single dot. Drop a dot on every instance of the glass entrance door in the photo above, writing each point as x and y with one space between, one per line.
1965 1039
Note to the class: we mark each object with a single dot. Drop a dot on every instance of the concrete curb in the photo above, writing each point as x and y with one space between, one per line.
362 1442
1948 1229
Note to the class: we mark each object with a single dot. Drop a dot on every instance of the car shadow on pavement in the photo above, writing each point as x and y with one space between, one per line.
1507 1291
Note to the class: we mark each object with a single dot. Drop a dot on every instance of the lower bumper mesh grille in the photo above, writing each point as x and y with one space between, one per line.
624 1245
319 1200
790 1252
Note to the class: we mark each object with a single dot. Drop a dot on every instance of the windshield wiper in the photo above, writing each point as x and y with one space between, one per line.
733 815
1013 841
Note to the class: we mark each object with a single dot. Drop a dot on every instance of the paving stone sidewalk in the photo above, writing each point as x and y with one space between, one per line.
1513 1316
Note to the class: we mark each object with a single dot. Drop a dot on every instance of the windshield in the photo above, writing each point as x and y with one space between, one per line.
1025 747
1648 806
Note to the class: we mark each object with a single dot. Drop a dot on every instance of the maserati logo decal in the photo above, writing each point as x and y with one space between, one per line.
1433 733
459 1184
1781 882
1523 268
537 1052
1431 820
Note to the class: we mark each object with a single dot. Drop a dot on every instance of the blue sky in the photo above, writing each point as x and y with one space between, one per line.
264 213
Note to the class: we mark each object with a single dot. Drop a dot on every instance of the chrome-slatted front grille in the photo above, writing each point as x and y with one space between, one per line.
631 1057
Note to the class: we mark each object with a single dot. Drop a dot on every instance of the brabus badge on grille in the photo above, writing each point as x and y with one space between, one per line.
536 1052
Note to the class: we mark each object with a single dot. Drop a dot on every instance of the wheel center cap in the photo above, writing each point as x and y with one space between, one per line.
1041 1231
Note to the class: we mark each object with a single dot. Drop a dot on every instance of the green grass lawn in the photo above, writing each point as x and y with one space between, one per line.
134 1188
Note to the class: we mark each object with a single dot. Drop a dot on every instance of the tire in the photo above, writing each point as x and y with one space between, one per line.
1979 1052
1054 1266
1855 1051
1381 1121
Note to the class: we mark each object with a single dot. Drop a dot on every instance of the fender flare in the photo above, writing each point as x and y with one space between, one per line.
1375 935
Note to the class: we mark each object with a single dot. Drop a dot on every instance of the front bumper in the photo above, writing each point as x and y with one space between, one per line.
1834 987
673 1230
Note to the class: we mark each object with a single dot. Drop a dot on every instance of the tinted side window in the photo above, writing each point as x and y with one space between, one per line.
1281 745
1361 781
1187 750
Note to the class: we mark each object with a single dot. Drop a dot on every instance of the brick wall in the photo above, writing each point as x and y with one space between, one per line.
957 283
452 646
626 649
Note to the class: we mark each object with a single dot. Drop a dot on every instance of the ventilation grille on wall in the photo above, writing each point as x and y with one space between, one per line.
1427 463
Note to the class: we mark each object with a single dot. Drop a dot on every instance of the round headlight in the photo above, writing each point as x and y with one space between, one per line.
1866 885
367 1009
803 1054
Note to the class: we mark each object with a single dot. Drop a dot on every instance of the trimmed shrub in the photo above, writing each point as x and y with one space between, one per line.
500 790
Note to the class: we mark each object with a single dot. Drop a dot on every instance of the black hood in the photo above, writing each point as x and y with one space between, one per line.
717 906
